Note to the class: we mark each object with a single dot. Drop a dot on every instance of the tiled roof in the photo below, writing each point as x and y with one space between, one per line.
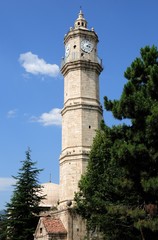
53 225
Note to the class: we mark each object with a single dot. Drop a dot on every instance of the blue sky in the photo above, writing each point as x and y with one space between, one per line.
31 86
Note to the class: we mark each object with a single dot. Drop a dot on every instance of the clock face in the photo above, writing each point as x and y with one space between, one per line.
86 46
67 50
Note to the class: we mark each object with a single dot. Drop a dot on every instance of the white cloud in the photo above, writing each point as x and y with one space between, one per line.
12 113
47 119
6 183
35 65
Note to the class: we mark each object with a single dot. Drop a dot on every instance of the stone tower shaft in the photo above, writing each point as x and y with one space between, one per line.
82 112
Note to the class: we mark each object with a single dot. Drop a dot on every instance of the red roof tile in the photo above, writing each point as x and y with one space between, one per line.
53 225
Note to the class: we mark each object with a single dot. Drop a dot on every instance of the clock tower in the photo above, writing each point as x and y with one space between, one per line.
82 111
81 116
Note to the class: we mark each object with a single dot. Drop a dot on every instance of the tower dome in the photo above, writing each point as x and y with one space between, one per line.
51 192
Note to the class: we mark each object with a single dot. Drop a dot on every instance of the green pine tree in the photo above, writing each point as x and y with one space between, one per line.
23 209
119 192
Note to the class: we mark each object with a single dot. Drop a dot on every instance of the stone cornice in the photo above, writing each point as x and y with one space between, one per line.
82 106
83 33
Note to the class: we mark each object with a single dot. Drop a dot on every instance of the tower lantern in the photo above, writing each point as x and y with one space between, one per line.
80 22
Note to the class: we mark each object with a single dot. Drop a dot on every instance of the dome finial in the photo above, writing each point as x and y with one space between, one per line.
50 178
81 15
81 11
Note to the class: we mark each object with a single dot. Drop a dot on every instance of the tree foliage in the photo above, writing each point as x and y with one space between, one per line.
23 209
119 192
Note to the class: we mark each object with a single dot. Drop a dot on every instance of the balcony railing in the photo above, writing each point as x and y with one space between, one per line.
75 56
